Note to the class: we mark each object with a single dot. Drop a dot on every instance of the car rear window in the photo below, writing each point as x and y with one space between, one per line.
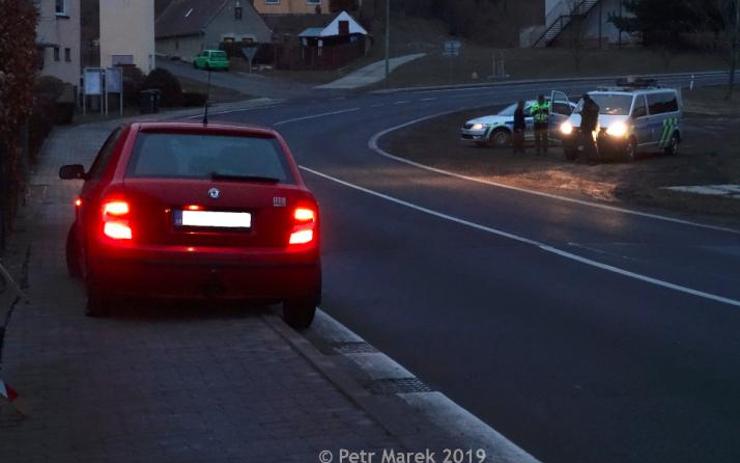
193 156
218 54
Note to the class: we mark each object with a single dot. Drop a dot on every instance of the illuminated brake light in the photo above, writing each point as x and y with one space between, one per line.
117 230
304 215
301 236
78 202
304 226
115 223
193 207
116 208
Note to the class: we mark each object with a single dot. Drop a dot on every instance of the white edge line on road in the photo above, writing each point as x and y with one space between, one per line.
373 145
437 407
314 116
543 246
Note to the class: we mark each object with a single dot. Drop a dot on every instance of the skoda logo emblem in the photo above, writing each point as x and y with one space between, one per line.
214 193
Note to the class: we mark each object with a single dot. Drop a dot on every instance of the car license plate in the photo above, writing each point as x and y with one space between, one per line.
215 219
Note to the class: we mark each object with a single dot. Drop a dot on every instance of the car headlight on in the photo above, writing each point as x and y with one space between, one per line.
617 129
566 128
478 126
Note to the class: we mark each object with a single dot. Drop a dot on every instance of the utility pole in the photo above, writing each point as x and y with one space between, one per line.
733 8
387 40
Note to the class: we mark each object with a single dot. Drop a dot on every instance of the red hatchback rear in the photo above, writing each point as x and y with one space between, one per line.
183 210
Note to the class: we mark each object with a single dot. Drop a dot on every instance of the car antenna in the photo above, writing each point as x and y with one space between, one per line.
208 97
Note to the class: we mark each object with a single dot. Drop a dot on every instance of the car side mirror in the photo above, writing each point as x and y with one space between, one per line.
72 172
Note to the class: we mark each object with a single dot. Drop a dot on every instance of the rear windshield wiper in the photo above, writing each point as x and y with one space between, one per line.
244 178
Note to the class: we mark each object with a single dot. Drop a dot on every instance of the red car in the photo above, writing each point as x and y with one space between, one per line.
185 210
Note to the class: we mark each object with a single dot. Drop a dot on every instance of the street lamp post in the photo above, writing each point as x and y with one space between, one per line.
387 39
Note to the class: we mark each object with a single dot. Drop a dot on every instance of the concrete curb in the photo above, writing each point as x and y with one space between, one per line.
543 81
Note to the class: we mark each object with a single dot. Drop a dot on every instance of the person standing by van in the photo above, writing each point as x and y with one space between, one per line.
541 116
589 124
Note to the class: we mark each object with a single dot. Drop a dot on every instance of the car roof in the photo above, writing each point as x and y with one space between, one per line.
204 129
630 92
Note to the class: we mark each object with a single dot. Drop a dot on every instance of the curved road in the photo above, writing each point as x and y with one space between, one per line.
582 333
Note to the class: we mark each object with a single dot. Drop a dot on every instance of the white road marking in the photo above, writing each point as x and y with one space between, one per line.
373 145
437 407
315 116
377 105
429 99
543 246
402 102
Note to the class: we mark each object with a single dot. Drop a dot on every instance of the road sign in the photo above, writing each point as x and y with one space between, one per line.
452 48
249 53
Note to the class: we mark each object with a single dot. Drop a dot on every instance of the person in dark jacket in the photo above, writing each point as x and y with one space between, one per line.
520 126
589 124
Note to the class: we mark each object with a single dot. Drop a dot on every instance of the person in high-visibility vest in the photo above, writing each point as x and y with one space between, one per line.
541 116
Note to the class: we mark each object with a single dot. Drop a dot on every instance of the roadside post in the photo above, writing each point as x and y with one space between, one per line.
114 84
93 86
249 53
451 49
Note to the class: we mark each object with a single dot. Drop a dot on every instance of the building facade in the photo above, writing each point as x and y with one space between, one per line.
291 6
127 34
58 39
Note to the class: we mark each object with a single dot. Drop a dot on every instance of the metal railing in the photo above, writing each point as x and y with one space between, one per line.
560 17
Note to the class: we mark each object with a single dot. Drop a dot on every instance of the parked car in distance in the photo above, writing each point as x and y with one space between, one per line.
496 130
633 118
211 59
193 211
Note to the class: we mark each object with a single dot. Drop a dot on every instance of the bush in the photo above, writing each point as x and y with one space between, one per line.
48 87
167 84
40 123
192 99
133 79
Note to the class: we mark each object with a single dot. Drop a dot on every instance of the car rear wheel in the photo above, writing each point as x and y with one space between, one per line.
499 138
299 313
672 148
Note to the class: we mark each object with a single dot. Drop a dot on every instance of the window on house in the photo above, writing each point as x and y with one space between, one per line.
272 2
41 55
313 2
60 7
68 55
56 53
238 13
343 27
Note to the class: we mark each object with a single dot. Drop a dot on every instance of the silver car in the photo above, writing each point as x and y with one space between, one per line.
496 130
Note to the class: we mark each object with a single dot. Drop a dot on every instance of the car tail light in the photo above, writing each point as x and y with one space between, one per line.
304 226
116 223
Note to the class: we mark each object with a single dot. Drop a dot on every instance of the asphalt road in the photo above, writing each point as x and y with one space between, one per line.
583 334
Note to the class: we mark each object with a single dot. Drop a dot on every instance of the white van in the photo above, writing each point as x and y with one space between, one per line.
632 119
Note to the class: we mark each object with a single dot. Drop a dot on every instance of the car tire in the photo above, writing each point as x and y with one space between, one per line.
195 65
98 304
74 266
299 313
630 151
499 138
672 148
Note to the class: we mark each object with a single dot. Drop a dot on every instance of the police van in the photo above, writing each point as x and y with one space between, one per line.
634 116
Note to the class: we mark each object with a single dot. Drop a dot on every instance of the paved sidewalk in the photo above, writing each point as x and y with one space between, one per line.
370 74
168 383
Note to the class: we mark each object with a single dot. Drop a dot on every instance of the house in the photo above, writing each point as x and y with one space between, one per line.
291 6
127 34
186 27
328 46
58 39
